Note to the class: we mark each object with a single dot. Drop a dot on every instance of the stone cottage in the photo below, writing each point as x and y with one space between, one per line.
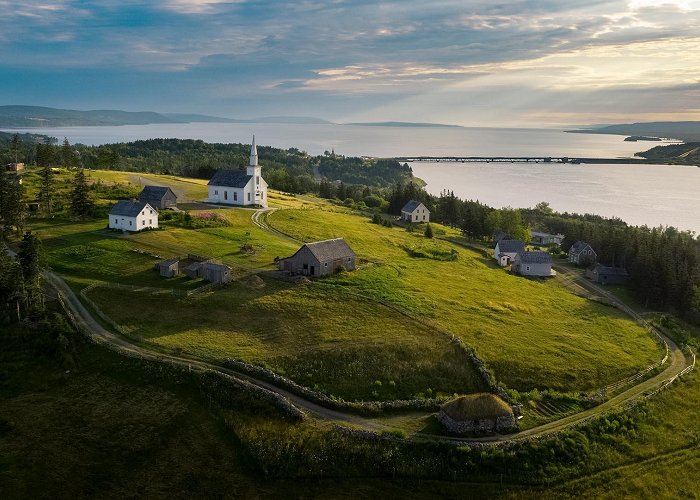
320 258
477 413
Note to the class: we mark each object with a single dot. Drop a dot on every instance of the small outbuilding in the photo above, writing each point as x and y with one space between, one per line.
14 167
320 258
415 211
477 413
506 250
533 264
133 216
545 239
169 268
214 272
607 275
158 197
582 254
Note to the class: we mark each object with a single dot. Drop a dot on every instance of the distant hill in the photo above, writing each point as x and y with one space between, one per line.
39 116
402 124
685 131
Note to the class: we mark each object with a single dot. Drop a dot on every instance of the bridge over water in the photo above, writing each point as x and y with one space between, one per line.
491 159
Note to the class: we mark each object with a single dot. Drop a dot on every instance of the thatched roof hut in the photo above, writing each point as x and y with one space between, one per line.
477 413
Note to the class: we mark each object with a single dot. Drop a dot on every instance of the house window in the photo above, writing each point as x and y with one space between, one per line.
325 264
225 195
235 196
216 192
151 212
424 217
248 196
527 268
129 222
143 222
150 222
257 179
116 221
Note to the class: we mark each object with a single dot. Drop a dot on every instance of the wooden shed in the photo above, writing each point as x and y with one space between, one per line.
215 273
169 268
158 197
320 258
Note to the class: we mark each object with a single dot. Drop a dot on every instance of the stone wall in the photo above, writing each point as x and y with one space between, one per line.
504 423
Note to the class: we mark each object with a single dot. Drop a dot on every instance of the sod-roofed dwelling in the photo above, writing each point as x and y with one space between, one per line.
320 258
158 197
477 413
133 216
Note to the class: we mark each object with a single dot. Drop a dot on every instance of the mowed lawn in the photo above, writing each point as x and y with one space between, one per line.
344 346
533 334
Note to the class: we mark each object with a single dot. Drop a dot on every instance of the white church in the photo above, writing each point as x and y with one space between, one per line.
233 187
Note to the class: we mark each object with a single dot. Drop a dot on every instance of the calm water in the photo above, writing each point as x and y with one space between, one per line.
639 194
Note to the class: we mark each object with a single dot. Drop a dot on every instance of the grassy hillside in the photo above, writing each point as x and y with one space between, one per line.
532 334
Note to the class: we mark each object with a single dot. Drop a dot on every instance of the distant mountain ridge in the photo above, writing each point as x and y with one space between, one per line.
688 131
39 116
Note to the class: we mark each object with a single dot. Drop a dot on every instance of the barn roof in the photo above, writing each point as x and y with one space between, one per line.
476 407
610 271
230 178
169 262
535 258
215 266
154 192
511 246
328 250
128 208
411 206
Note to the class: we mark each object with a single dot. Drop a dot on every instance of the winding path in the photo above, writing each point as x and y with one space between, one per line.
87 324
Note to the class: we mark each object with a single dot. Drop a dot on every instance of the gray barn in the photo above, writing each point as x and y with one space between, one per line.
158 197
607 275
215 273
533 264
320 258
169 268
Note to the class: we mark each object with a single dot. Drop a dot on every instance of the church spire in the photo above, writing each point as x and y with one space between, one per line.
253 154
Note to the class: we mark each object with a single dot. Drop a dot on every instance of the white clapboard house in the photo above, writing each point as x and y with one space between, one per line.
133 216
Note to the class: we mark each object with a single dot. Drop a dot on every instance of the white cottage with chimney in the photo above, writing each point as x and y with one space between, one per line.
233 187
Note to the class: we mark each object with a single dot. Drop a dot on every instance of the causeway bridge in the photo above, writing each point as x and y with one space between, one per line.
491 159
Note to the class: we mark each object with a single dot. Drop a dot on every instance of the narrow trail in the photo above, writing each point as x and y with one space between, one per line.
87 324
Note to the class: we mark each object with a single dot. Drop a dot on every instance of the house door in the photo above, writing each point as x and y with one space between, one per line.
313 271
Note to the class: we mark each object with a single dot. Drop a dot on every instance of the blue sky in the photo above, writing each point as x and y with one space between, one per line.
481 63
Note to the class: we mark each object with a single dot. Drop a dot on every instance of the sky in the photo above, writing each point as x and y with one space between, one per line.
524 63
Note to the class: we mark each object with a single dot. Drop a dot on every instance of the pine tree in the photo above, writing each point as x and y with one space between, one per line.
428 231
81 204
68 155
46 188
32 261
16 147
12 212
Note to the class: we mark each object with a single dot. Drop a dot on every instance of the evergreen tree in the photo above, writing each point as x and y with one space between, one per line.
69 158
32 261
81 204
15 147
12 210
428 231
46 188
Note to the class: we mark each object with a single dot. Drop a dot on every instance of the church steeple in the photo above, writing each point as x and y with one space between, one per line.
253 154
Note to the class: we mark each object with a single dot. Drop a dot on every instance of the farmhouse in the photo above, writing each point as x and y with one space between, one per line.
233 187
607 275
544 239
533 264
158 197
506 250
477 413
582 253
415 211
133 216
320 258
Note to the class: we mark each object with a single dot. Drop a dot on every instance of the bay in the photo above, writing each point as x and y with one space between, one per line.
639 194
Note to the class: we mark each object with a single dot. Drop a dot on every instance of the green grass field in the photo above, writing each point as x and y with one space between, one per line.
532 334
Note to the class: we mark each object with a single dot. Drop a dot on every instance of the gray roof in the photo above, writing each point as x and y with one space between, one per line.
215 265
511 246
579 246
328 250
410 206
169 262
230 178
127 208
610 271
154 192
535 258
